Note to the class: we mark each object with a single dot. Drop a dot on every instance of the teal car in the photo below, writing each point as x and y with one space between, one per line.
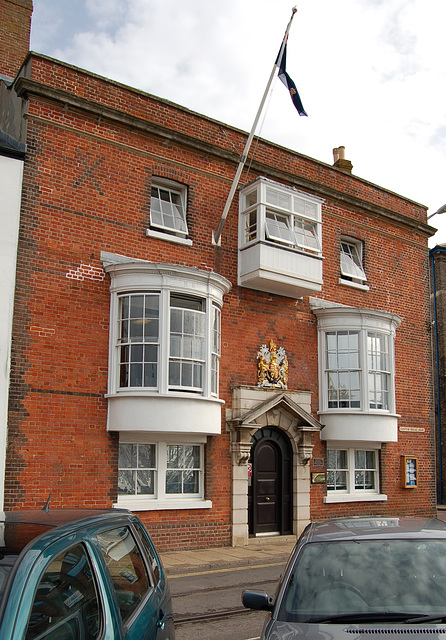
81 575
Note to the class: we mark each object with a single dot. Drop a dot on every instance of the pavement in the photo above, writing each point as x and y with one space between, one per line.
259 551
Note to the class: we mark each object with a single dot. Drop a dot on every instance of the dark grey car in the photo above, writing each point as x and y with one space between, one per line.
360 576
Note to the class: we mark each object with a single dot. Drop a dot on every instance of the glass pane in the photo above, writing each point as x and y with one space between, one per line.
360 459
151 329
127 569
186 374
174 456
191 457
190 481
127 456
136 330
331 459
124 307
198 375
146 456
145 482
124 334
66 605
174 373
176 320
137 306
124 375
136 352
341 457
341 480
370 459
173 482
126 482
136 375
150 375
175 346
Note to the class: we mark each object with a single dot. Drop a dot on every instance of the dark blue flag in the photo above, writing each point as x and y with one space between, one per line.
283 75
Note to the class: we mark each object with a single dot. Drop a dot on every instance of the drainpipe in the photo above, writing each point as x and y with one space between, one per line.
437 366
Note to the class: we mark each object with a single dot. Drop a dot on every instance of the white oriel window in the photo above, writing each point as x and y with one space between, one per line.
352 471
357 374
164 347
281 215
160 474
352 269
191 341
168 208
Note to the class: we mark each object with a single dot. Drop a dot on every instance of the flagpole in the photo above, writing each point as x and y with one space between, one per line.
217 235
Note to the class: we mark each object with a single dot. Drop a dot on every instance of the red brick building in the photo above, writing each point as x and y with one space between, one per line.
221 391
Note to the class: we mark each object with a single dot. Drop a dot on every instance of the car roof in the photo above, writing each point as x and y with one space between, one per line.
374 527
18 528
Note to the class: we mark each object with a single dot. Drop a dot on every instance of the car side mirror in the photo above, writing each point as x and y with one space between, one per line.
257 600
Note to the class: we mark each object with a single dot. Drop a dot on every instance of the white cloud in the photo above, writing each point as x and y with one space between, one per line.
370 73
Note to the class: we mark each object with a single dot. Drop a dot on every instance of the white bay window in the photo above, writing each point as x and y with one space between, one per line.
356 372
280 248
164 347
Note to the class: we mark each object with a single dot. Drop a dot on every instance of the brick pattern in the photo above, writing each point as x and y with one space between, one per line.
86 190
15 26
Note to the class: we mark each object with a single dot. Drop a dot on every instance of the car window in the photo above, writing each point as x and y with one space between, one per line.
127 569
150 552
66 605
368 576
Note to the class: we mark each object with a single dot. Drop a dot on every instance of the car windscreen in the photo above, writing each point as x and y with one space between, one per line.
367 577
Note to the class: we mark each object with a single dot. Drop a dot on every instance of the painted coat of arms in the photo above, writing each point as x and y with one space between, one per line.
272 368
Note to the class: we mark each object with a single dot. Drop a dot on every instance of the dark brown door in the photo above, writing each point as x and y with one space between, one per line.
267 487
270 485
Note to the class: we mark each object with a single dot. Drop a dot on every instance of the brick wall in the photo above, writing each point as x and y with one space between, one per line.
15 25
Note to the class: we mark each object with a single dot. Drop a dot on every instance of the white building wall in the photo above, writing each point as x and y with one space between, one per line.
11 171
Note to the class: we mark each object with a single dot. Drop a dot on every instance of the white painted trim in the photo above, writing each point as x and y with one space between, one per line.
168 237
11 175
357 497
159 505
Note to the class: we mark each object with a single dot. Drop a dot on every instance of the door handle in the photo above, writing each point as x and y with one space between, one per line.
267 499
162 620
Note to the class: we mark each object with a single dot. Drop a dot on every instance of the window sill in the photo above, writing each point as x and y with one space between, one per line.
354 285
162 505
167 236
355 497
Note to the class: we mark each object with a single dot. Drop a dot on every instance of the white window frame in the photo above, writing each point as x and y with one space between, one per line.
140 278
361 369
265 202
350 493
160 499
351 263
158 228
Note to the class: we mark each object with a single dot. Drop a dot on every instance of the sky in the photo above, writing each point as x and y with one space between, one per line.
371 74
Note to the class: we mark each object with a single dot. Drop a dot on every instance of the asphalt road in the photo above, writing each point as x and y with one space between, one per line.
199 597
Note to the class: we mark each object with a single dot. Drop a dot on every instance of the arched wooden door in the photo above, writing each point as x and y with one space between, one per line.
269 498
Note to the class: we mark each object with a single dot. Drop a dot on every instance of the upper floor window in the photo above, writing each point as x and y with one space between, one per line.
356 355
187 328
280 214
168 204
165 329
352 269
357 370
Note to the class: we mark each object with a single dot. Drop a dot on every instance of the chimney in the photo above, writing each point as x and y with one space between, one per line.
15 28
339 160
